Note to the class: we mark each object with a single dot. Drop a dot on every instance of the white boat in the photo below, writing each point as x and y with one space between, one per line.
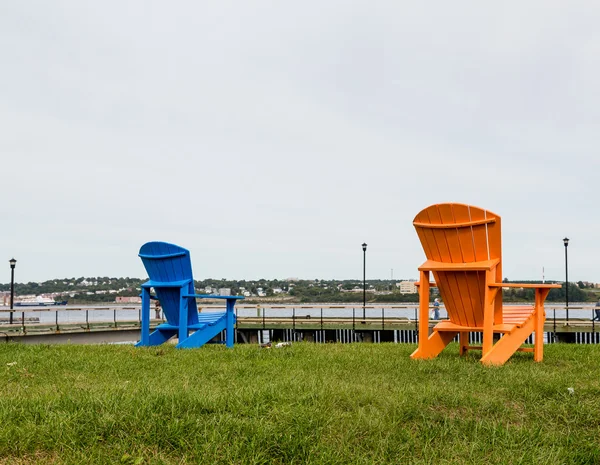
39 301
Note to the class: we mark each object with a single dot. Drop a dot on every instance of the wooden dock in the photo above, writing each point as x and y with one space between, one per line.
112 325
249 327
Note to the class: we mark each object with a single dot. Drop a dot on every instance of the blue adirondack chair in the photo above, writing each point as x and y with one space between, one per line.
170 270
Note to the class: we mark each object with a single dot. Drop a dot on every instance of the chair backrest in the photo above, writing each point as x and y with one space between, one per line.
168 266
458 233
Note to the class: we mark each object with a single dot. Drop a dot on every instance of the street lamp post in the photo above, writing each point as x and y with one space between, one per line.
12 262
566 242
364 247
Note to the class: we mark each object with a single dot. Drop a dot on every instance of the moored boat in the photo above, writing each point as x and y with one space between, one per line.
39 301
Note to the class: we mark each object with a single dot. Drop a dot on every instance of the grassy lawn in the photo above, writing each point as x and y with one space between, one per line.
308 403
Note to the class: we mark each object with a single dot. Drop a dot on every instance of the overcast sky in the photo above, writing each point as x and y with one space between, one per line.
272 138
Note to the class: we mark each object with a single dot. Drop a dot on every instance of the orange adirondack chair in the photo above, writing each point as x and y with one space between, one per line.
464 252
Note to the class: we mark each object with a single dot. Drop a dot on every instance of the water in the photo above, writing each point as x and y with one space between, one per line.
584 311
77 314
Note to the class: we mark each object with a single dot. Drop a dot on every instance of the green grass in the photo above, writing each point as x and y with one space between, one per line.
308 403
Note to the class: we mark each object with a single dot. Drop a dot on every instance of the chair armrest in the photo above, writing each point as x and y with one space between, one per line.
486 265
209 296
156 284
431 284
526 285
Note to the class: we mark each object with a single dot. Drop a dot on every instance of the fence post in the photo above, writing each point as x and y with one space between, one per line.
416 323
321 318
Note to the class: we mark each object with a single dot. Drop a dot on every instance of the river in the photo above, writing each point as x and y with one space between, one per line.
78 314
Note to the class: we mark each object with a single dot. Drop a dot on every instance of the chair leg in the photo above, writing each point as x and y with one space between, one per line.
508 344
160 336
488 318
464 342
424 307
183 332
230 321
434 344
145 324
202 336
539 316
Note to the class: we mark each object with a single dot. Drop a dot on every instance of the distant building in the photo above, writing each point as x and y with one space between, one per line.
128 300
360 289
407 287
225 291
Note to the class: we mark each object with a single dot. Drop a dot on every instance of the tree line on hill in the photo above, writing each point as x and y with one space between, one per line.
105 289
